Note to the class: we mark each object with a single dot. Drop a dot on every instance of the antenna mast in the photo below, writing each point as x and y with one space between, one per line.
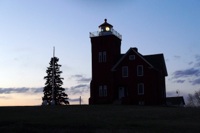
53 78
80 100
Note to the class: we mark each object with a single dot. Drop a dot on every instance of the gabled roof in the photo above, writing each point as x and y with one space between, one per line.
124 56
157 61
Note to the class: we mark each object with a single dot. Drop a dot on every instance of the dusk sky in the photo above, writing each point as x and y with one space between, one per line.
30 28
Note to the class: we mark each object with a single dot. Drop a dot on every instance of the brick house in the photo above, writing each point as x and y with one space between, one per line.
129 78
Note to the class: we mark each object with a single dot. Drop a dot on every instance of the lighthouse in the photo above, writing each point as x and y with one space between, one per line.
106 50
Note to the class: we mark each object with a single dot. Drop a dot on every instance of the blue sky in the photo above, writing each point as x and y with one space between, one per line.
30 28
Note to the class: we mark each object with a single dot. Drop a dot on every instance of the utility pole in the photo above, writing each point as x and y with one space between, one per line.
80 100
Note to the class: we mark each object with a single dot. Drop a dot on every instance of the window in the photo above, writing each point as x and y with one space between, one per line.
102 90
121 92
102 56
105 90
139 70
141 102
131 57
125 71
140 89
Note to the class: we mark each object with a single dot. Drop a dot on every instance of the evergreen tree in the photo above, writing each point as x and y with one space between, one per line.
55 82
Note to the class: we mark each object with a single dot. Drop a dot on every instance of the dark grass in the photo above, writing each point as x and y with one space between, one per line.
99 119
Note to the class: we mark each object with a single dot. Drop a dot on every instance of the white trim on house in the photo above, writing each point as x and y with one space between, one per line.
124 71
140 70
141 89
103 91
124 56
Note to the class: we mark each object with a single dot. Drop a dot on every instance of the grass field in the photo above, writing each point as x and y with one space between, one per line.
99 119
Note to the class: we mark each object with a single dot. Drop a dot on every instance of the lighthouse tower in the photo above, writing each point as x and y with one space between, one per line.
106 50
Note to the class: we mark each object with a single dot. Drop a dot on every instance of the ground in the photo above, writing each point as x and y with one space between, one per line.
99 119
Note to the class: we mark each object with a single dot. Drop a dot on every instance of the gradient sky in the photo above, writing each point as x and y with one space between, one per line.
30 28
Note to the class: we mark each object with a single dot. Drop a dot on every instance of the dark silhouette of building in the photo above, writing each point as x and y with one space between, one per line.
175 101
130 78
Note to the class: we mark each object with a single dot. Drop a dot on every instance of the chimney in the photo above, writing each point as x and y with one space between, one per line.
136 49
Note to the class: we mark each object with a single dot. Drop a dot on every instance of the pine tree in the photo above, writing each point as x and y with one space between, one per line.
60 97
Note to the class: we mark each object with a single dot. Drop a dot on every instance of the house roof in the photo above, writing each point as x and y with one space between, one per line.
175 100
155 61
124 56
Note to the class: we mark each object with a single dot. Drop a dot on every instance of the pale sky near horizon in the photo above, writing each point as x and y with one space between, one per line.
30 28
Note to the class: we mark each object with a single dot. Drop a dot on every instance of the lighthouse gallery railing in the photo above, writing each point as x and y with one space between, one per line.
104 33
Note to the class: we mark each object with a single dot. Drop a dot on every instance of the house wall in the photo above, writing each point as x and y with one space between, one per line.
150 79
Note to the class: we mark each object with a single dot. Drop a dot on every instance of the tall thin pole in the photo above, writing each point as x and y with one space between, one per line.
53 78
80 100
